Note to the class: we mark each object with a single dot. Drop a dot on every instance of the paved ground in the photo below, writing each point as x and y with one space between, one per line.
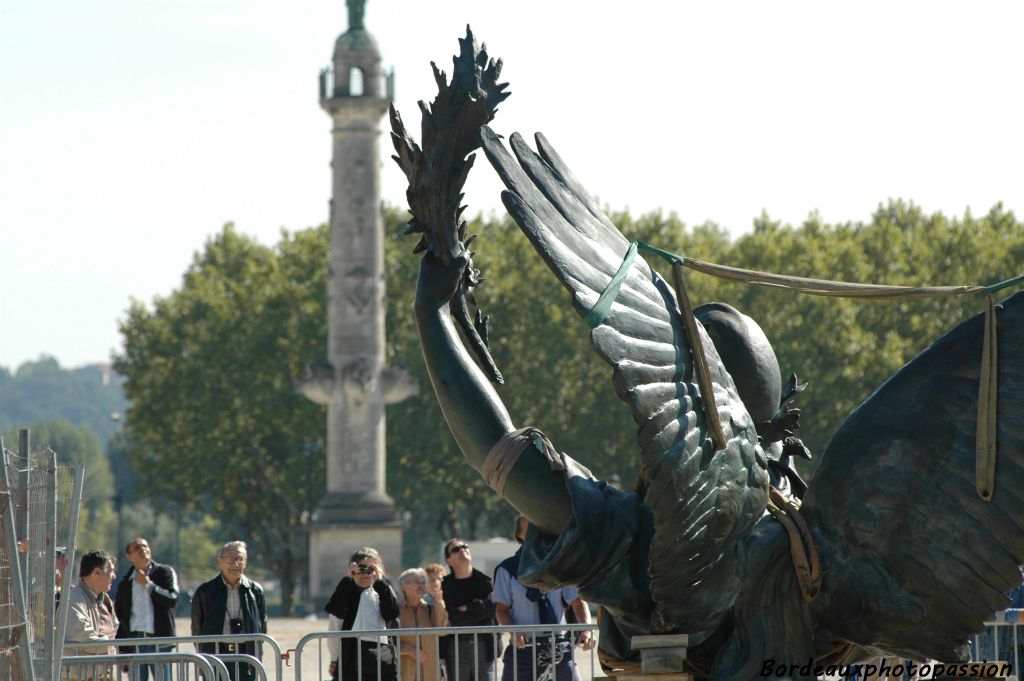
288 630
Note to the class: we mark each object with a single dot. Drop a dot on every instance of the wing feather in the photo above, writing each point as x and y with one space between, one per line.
915 560
718 496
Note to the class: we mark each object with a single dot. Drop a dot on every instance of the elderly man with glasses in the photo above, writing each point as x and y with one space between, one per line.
230 603
467 596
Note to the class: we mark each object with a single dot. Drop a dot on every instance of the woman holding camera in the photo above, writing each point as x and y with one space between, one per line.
363 601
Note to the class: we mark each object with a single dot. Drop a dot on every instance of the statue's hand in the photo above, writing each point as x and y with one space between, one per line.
438 283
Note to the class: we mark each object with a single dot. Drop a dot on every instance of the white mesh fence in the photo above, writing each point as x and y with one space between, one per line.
44 499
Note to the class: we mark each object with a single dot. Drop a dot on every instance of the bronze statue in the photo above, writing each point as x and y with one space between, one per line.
892 550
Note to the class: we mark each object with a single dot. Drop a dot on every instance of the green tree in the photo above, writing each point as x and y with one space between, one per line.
848 348
42 389
215 424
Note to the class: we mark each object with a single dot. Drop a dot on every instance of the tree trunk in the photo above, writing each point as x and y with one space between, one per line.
286 573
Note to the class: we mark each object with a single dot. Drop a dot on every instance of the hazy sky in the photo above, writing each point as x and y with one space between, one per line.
131 131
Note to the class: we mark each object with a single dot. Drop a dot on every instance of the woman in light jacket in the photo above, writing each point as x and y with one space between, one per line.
419 654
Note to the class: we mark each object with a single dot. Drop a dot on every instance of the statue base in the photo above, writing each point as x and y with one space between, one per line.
340 526
661 658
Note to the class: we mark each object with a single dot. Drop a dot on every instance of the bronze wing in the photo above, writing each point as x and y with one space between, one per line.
704 501
914 560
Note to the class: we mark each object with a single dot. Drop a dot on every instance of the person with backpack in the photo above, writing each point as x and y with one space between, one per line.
531 656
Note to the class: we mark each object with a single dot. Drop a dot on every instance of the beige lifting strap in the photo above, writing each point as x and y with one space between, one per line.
700 362
986 436
987 421
802 550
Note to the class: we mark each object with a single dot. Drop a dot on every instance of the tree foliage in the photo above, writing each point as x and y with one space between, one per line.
215 423
218 425
554 381
42 389
848 348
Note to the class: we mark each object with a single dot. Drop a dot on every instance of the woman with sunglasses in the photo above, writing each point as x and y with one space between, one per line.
363 601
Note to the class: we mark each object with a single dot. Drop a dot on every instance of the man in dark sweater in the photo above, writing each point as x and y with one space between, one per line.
145 602
467 597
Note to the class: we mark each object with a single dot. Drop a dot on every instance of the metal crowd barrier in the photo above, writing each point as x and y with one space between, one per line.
196 641
546 642
1003 642
112 667
1000 642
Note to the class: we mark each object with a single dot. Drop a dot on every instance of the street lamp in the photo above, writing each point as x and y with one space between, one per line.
115 418
309 450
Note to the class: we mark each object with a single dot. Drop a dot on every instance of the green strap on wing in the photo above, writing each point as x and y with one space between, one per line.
600 310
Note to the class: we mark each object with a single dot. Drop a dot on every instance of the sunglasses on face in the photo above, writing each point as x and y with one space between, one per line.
366 569
458 547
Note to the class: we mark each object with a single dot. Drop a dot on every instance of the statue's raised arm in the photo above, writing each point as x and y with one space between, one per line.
471 406
436 172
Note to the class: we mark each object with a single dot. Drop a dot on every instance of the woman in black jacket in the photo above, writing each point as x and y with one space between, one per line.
363 601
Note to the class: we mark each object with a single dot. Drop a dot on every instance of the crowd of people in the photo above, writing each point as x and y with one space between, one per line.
145 600
461 596
366 599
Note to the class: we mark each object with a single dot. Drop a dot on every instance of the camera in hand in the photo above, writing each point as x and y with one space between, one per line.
236 625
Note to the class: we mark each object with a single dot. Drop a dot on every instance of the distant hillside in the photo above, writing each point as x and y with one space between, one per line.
86 396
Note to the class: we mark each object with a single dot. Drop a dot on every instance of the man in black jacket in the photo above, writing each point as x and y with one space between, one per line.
230 603
144 603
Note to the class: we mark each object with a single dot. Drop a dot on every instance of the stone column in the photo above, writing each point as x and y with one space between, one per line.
355 386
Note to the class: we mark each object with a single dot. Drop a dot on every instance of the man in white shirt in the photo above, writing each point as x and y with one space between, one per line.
530 655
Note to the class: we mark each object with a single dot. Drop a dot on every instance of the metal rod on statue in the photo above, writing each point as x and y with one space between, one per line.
700 362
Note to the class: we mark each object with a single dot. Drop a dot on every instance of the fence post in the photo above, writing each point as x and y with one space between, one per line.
16 583
67 580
